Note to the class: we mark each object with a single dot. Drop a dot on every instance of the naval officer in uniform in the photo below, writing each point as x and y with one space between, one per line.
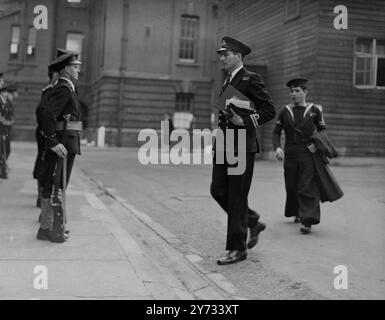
231 191
63 101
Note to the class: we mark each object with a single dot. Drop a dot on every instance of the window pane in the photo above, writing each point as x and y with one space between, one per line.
364 45
14 47
188 39
359 78
360 64
367 78
32 36
74 43
380 47
15 34
381 72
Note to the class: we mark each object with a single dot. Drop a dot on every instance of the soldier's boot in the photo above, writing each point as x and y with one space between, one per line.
46 220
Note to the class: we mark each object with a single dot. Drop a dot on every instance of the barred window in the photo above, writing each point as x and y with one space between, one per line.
369 63
74 43
15 41
189 38
184 102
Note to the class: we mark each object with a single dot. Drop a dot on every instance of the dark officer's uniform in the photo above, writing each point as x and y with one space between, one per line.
231 191
62 101
41 138
39 133
302 193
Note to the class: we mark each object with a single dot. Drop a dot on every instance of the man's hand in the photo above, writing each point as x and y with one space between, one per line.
279 154
236 119
60 150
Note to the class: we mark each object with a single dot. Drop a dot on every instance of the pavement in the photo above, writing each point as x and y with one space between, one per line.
117 251
114 251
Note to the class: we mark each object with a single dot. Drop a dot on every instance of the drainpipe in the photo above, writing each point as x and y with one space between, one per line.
122 70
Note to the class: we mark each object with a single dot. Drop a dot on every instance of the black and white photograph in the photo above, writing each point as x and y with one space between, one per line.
192 155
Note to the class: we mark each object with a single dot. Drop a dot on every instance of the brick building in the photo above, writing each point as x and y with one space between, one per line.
346 68
141 59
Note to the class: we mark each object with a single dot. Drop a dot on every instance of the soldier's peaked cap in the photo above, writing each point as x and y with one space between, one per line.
60 52
231 44
64 60
297 82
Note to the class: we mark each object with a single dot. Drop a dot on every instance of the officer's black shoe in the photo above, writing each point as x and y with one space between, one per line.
232 257
305 229
254 234
43 234
297 220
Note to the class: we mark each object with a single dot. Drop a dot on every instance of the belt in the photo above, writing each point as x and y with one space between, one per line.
71 125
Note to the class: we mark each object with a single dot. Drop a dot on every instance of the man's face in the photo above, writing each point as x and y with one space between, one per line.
73 71
230 60
297 94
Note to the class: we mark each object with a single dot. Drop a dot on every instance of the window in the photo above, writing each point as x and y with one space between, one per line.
183 115
76 3
189 38
291 9
15 40
369 63
74 43
31 41
184 102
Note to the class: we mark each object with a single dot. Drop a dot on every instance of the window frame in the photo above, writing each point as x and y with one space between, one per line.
33 54
374 57
81 44
14 56
184 99
194 60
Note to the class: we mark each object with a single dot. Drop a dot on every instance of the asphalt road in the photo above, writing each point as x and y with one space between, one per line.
285 264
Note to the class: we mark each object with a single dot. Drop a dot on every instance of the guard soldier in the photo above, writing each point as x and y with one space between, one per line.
231 191
62 126
8 115
299 120
39 132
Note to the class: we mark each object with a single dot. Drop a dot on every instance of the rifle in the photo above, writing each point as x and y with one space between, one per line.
58 194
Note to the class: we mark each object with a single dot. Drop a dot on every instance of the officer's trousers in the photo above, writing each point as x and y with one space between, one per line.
231 191
302 192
